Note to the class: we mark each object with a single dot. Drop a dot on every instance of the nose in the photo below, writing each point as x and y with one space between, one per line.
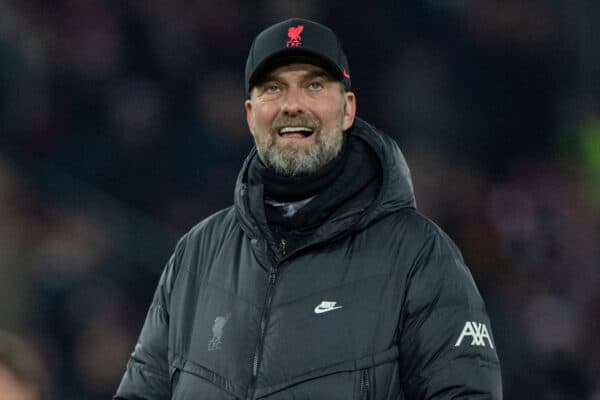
293 102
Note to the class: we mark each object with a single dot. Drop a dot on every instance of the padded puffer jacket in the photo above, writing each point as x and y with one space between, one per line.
377 304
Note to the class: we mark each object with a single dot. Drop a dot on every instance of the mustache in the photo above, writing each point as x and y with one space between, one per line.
300 120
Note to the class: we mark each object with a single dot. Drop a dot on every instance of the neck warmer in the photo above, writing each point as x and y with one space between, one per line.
332 187
287 189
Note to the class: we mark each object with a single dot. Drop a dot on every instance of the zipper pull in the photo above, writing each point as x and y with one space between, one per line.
283 246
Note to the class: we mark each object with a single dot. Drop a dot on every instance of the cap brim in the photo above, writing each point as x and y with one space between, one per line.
293 56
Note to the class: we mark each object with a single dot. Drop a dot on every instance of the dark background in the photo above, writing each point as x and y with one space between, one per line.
122 125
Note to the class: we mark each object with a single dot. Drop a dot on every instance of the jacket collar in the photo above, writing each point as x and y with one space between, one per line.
396 191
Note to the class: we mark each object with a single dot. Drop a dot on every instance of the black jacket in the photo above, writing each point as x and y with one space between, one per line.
377 304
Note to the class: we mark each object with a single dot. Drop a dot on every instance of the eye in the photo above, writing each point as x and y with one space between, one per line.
315 85
271 88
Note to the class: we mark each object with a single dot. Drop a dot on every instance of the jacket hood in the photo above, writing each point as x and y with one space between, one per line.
396 190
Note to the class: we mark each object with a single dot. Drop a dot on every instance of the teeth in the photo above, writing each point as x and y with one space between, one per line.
289 129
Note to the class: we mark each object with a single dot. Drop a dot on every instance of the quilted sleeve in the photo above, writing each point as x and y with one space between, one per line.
447 350
147 374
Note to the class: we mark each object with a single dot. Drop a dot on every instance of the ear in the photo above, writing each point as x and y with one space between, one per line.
249 116
349 110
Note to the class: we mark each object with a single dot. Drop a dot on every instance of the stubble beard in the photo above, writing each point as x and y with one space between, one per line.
293 159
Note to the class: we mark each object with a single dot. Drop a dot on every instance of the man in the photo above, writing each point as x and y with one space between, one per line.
321 281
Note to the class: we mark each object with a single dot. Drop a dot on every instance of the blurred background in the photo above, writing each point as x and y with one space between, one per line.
122 125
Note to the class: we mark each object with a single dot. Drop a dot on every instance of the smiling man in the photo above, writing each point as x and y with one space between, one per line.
322 281
297 114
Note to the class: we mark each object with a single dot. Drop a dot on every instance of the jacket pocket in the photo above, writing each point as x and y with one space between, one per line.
191 382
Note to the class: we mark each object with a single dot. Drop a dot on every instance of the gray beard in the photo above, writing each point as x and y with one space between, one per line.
290 161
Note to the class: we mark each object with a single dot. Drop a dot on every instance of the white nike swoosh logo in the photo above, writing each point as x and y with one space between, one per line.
325 307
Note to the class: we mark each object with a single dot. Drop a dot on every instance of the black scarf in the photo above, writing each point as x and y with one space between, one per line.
333 185
288 189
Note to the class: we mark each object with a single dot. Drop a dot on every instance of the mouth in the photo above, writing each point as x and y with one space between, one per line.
295 132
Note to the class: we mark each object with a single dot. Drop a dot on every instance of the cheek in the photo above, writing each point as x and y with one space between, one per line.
262 123
264 116
334 117
332 109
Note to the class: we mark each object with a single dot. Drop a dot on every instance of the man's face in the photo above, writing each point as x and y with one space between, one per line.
297 115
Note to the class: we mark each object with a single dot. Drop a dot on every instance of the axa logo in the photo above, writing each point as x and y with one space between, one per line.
294 38
217 331
478 333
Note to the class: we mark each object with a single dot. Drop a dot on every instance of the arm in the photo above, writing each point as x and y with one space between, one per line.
446 344
147 374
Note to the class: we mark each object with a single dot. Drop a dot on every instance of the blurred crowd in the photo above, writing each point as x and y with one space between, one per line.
122 125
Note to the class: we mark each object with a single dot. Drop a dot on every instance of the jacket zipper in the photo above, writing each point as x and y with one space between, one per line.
364 385
261 335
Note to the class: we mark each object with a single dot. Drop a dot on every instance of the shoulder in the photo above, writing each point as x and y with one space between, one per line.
414 239
410 223
219 221
208 234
